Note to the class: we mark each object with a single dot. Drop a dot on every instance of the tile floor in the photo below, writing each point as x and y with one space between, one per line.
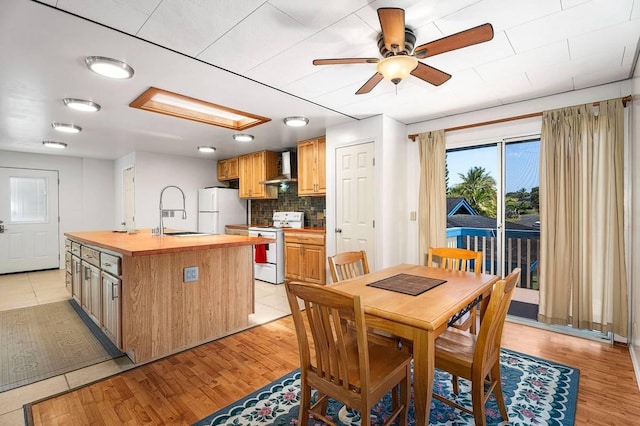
37 288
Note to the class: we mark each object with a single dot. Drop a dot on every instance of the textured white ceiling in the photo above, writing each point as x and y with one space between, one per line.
256 55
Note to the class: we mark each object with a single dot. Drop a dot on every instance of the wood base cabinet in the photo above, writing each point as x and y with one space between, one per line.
304 257
111 308
91 292
76 279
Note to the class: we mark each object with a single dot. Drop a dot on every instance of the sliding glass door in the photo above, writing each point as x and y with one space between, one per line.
493 207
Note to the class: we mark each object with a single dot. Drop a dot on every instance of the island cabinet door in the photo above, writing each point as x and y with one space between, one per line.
76 278
91 293
111 308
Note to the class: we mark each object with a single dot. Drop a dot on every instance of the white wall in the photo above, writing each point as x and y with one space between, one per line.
119 166
390 165
155 171
85 192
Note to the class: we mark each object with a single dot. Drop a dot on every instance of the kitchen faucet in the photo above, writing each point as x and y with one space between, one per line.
183 209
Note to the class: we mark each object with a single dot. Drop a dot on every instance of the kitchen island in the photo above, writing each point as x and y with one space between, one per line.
159 313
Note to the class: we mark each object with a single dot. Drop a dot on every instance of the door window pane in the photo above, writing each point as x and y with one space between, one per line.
28 199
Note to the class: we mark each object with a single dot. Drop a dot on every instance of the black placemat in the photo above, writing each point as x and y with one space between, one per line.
412 285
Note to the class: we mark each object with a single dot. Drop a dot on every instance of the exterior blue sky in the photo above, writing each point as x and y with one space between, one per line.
522 160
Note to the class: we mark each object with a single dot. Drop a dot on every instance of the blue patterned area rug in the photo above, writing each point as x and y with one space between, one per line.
537 392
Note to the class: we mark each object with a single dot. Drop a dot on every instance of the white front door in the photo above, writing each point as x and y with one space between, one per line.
29 215
355 207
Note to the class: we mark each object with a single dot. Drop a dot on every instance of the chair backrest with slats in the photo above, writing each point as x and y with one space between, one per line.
328 360
348 264
487 350
456 259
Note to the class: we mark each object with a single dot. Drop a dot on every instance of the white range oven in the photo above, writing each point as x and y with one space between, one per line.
270 268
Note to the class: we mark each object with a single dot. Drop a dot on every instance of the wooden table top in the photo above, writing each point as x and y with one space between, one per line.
143 243
428 310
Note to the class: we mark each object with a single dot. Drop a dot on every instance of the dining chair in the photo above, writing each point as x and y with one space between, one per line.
341 363
477 358
458 259
348 264
351 264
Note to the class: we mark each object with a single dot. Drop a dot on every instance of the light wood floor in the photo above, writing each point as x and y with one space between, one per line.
187 387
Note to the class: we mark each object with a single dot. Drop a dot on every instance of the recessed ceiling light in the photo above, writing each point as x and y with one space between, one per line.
206 149
66 128
109 67
296 121
81 104
181 106
56 145
242 137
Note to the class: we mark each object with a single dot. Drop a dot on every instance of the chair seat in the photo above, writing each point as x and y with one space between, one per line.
455 347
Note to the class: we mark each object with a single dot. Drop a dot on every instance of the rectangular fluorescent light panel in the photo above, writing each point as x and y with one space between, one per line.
164 102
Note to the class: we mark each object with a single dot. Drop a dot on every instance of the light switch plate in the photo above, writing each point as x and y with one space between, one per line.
190 274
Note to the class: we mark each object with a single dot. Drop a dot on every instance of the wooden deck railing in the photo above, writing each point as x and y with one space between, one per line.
522 250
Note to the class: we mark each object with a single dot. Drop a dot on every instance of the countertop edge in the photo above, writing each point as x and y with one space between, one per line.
149 245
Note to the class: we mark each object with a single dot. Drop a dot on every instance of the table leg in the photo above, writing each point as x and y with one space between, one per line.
423 372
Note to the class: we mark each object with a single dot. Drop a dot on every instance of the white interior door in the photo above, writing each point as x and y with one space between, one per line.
355 205
29 215
128 198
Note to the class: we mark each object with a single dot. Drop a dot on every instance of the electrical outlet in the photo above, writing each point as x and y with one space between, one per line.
190 274
412 216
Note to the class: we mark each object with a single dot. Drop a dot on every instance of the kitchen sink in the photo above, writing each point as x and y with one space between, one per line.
185 234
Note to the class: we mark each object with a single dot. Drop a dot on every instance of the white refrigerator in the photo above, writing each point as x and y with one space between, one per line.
218 207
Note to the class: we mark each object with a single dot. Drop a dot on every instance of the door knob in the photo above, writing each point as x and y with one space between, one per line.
338 231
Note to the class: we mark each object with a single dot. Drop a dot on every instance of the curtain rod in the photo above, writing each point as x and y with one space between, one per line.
504 120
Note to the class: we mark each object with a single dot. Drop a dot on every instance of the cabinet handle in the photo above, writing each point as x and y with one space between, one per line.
113 294
107 264
87 273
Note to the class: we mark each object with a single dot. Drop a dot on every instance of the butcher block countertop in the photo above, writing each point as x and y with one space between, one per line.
143 243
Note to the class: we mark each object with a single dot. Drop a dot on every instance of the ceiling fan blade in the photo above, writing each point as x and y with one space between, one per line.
346 61
370 84
455 41
392 24
430 74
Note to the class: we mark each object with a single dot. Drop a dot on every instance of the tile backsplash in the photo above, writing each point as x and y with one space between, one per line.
288 200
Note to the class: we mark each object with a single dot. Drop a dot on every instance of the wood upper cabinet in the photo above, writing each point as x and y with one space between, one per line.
304 257
228 169
311 167
254 168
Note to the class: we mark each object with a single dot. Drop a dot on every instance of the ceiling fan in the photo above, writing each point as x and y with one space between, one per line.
400 58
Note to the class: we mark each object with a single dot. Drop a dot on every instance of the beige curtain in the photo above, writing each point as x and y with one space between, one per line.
582 272
432 201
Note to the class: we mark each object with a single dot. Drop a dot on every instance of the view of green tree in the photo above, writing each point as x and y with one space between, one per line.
479 189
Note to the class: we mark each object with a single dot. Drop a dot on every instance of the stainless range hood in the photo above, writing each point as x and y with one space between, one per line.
288 171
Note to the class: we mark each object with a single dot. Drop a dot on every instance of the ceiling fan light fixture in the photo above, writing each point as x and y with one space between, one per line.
81 104
109 67
56 145
298 121
242 137
66 128
206 149
397 68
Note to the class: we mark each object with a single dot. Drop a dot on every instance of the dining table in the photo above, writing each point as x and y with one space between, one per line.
416 302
